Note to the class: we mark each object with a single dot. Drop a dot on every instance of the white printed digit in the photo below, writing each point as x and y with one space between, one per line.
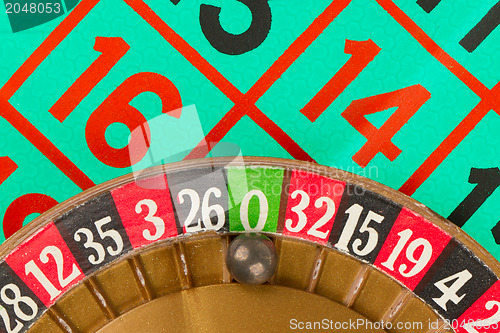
150 217
330 211
404 237
58 258
299 210
354 213
372 235
263 211
6 321
218 209
195 206
450 293
32 268
111 233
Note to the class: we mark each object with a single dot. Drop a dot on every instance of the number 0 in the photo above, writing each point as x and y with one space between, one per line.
263 211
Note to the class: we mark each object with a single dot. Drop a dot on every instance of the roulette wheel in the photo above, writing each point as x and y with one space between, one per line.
397 99
147 253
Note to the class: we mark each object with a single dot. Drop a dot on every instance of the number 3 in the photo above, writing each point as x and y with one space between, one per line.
157 221
231 44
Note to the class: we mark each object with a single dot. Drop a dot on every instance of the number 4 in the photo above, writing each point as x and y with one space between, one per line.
408 100
450 293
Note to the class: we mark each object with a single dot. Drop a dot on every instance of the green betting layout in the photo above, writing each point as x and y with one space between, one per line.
402 92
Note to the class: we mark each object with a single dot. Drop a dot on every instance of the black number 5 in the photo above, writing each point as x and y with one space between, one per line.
231 44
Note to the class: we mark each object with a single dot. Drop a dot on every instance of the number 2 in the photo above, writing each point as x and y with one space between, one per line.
488 322
302 217
19 312
6 320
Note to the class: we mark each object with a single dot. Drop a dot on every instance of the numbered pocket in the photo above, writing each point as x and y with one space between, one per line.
255 198
146 210
313 202
19 306
45 264
200 199
364 222
94 233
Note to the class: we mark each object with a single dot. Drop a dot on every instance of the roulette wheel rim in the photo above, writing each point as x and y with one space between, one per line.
293 245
